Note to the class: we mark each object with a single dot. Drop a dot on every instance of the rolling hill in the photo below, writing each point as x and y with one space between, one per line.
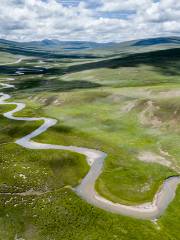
79 49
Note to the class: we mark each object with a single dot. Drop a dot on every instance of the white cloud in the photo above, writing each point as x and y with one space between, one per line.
128 5
25 20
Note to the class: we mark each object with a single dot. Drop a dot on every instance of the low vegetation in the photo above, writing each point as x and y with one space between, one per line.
120 109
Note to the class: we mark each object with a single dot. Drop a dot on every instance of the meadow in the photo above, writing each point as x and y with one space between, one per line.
127 110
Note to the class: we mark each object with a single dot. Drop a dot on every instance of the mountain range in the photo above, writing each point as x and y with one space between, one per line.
53 47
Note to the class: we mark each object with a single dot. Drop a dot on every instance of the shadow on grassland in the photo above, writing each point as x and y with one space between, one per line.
11 70
43 53
37 85
165 61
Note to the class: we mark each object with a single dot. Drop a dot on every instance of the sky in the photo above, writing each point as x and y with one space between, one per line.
90 20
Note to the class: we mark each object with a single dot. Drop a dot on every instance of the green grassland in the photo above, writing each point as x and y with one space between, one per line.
7 58
98 106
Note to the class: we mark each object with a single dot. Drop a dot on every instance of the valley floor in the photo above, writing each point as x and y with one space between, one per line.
137 126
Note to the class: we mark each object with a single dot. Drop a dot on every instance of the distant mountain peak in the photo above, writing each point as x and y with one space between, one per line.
50 41
157 41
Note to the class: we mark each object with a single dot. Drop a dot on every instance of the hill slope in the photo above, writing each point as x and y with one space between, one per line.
75 49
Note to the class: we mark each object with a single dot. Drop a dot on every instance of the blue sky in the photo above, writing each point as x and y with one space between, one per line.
90 20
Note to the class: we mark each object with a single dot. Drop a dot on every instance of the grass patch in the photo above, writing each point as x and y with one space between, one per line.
97 105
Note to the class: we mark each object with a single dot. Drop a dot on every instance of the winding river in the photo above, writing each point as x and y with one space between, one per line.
95 159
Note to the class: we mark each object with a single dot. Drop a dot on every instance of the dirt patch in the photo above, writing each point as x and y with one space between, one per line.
151 157
129 106
169 94
147 116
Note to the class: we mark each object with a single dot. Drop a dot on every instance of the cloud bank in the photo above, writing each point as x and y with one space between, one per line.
90 20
